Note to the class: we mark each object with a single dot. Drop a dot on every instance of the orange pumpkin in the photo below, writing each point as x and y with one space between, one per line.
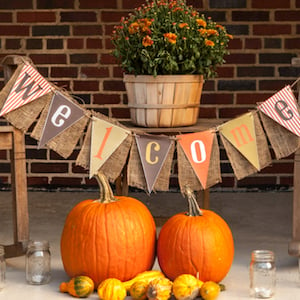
199 243
113 237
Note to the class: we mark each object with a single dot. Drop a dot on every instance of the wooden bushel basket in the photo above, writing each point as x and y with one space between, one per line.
164 100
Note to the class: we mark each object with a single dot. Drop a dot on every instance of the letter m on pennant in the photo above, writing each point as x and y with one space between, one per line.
30 85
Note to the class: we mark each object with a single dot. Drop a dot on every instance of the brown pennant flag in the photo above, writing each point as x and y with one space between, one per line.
62 114
23 117
198 150
245 144
153 151
65 142
135 172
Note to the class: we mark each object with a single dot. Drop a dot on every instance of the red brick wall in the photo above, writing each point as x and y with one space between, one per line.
69 42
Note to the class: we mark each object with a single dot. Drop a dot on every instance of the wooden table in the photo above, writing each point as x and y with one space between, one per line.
201 125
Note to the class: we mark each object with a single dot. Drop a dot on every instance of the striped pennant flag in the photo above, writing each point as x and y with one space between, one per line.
30 85
282 107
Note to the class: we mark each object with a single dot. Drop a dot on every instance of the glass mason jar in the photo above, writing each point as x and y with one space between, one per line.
2 268
38 262
262 274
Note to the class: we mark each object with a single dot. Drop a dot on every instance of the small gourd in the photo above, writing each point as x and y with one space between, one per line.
159 289
79 286
138 290
186 287
146 275
111 288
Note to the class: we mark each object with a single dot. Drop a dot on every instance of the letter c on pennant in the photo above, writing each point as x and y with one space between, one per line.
156 147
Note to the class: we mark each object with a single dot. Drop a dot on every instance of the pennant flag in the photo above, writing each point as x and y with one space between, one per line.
29 85
105 139
62 114
282 107
197 147
153 151
240 132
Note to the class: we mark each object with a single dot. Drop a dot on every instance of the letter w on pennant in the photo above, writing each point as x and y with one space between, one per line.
30 85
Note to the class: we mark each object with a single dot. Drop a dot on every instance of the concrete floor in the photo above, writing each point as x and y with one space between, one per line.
258 220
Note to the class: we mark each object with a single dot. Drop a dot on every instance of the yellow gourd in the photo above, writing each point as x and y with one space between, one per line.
79 286
147 275
138 290
159 289
186 287
111 289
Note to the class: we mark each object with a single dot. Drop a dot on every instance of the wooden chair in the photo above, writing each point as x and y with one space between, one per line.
12 139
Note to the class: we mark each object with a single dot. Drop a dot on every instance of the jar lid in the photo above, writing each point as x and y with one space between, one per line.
263 255
39 245
2 251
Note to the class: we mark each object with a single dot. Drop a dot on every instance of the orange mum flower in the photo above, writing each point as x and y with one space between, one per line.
147 41
182 25
212 32
209 43
171 37
133 28
201 22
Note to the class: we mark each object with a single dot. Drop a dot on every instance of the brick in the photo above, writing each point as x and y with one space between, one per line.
83 98
52 4
236 43
286 181
12 43
253 43
112 16
236 85
83 4
55 44
273 43
281 167
255 71
113 85
66 181
15 30
107 59
293 43
271 4
271 29
251 98
16 4
216 98
64 84
262 182
251 16
275 58
34 43
238 29
37 181
102 110
241 58
36 154
75 43
230 113
95 72
87 30
289 71
297 3
287 15
106 99
207 112
51 30
271 85
225 71
121 113
78 16
5 17
86 85
130 4
36 17
195 3
228 4
217 16
78 169
51 167
51 59
86 58
94 43
64 72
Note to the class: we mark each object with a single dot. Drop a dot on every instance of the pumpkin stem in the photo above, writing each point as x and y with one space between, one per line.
106 193
194 209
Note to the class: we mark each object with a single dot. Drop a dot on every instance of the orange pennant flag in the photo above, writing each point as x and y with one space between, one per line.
197 147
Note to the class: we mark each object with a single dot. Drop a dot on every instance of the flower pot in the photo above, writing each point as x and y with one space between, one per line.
164 100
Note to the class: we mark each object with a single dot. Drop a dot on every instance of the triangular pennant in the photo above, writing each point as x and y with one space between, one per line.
105 139
282 107
153 151
62 114
240 132
30 85
197 147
